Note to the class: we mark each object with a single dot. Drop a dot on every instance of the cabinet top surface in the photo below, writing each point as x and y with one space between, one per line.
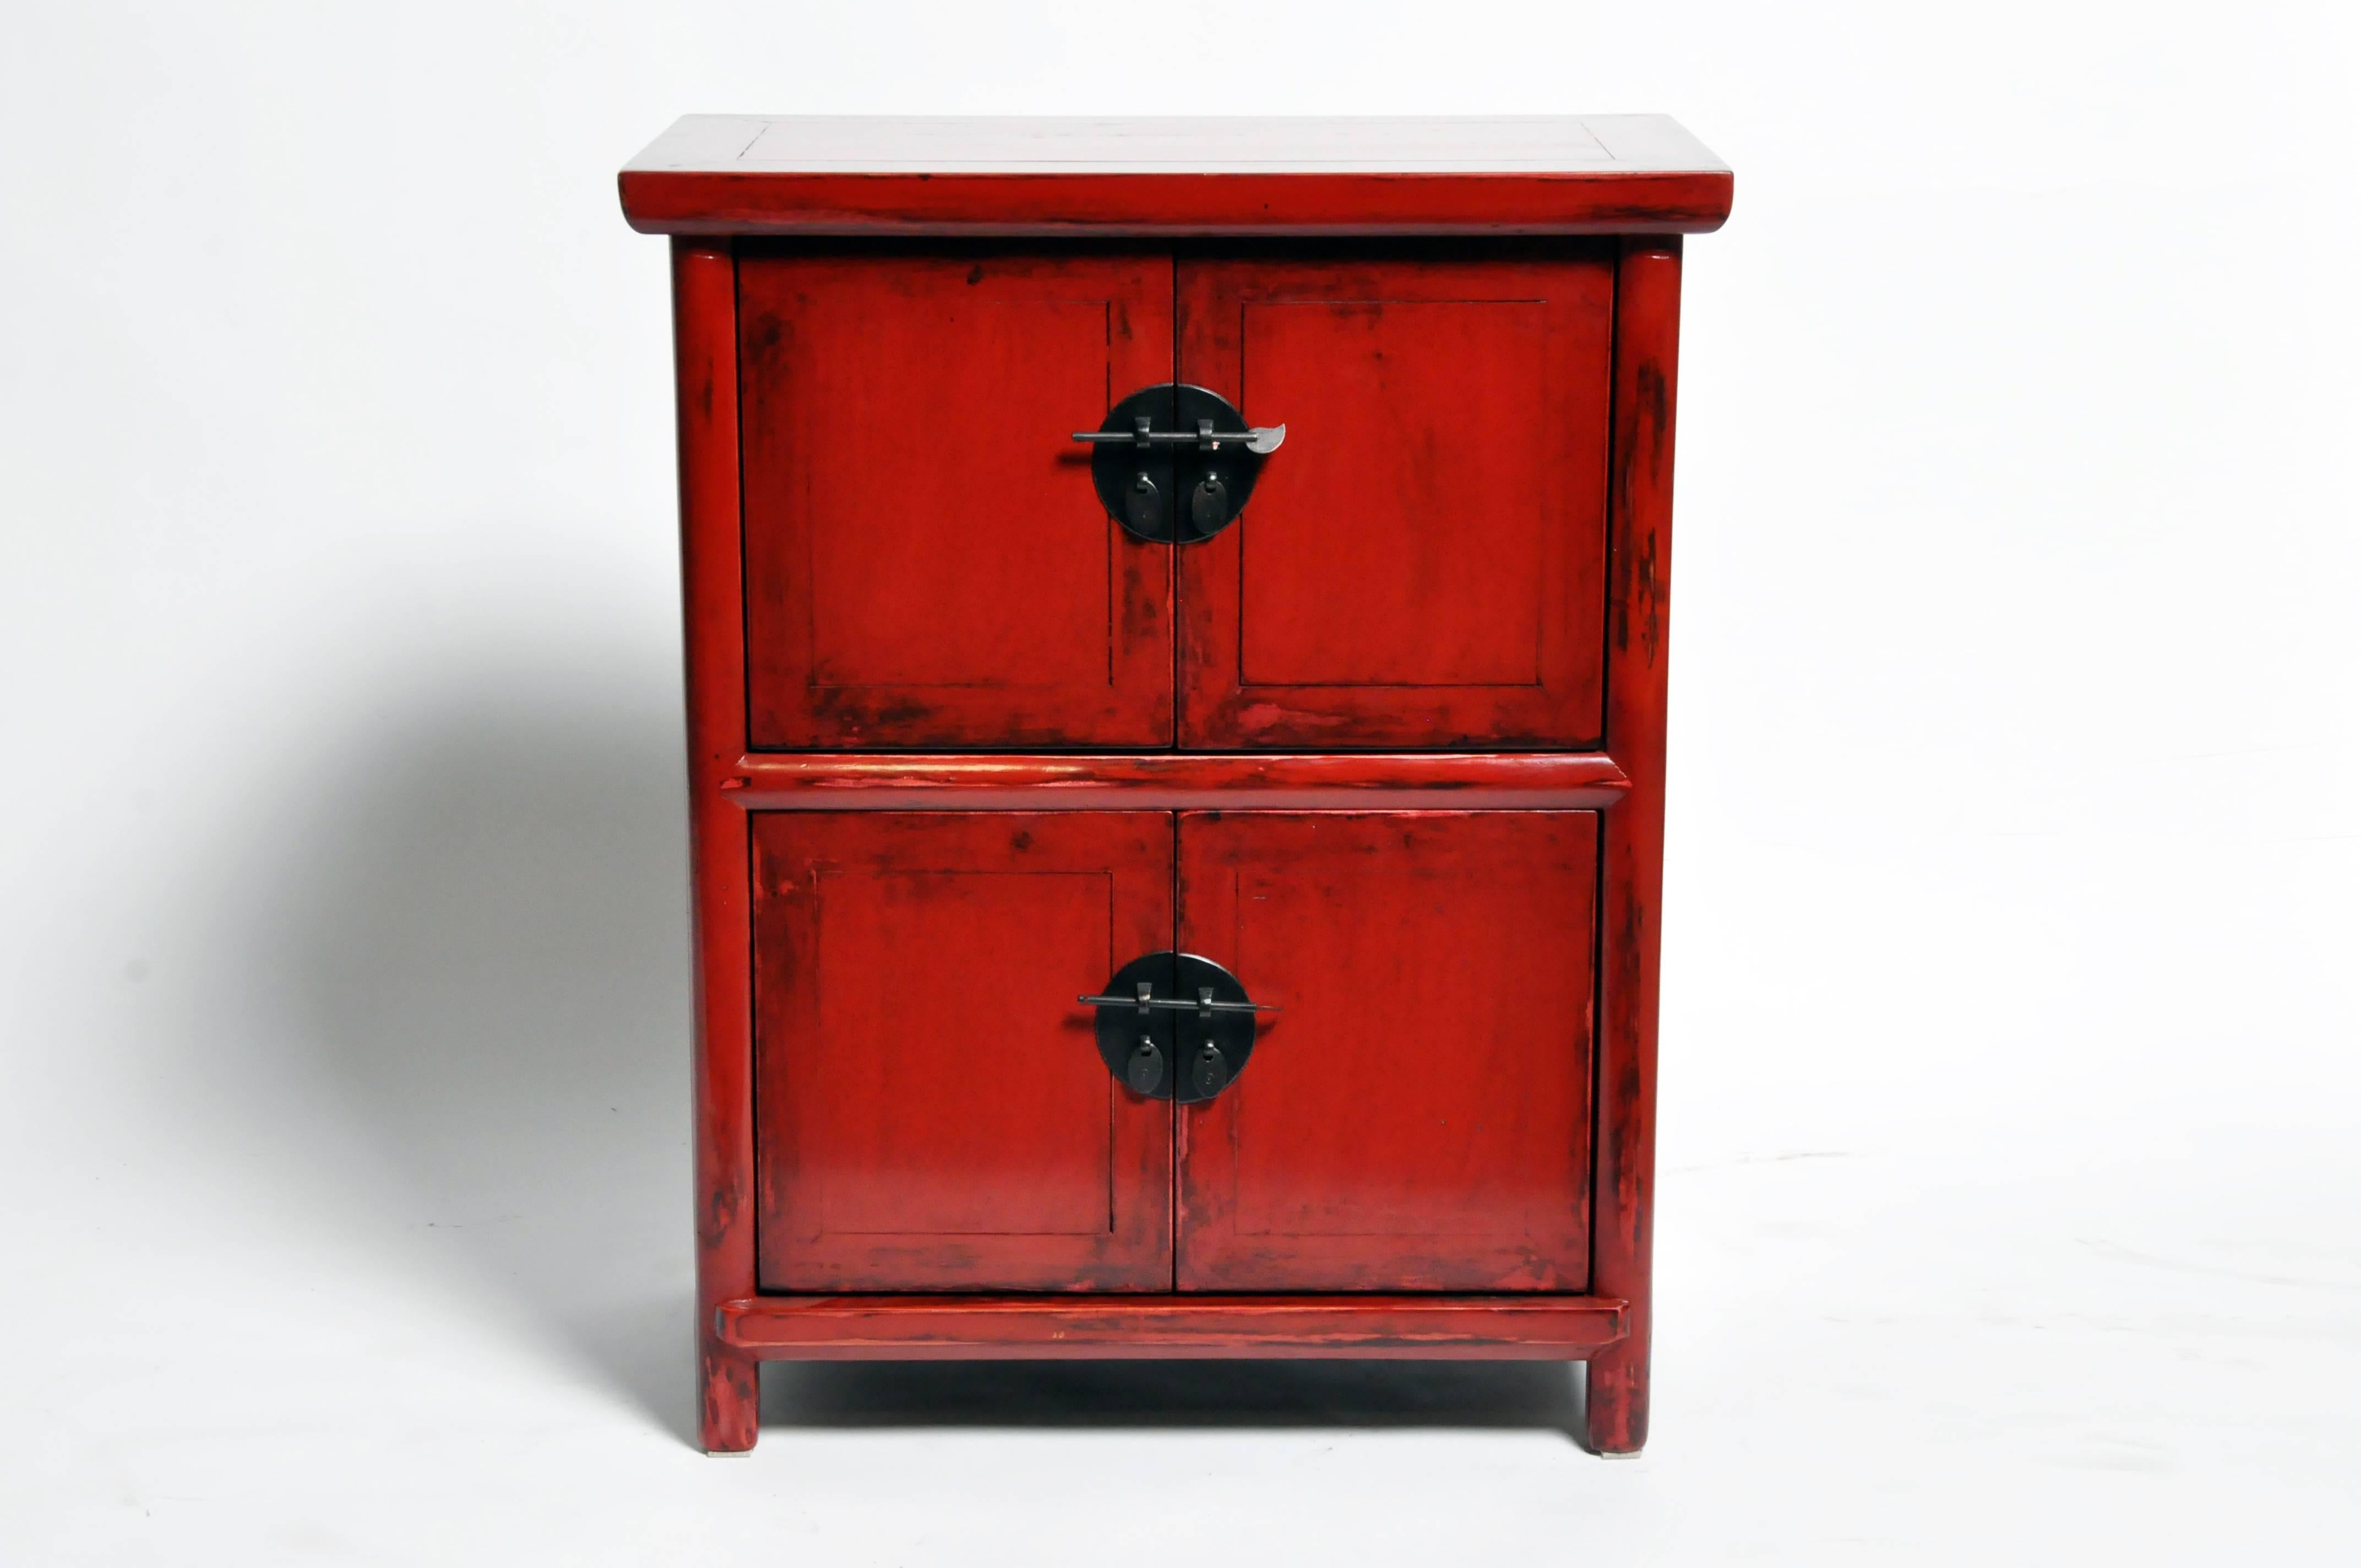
757 173
948 144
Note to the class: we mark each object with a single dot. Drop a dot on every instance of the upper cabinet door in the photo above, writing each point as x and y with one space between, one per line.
927 563
1422 563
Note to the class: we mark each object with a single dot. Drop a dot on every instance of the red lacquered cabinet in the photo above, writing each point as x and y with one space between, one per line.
1176 624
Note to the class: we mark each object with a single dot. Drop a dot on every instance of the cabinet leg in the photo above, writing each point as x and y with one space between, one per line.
729 1399
1617 1409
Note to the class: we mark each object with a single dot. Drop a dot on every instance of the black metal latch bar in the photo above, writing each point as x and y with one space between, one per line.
1204 1006
1262 441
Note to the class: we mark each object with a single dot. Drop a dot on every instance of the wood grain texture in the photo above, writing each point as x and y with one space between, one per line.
1417 1117
1368 781
926 562
932 1110
1648 298
1593 174
1420 564
987 1328
705 364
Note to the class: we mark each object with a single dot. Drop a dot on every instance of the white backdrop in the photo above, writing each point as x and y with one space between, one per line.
2010 1025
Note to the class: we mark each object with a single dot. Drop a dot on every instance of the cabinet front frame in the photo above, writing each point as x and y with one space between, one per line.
739 1326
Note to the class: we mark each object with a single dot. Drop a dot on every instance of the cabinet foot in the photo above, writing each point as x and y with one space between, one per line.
729 1399
1616 1410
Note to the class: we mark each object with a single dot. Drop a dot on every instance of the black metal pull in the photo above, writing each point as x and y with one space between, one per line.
1144 1070
1209 502
1143 505
1139 1037
1175 464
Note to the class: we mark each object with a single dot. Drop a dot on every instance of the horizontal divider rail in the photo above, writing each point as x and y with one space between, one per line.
919 1327
1159 781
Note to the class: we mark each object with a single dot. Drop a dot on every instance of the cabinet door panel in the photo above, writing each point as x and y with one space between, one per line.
1422 563
931 1109
926 563
1417 1116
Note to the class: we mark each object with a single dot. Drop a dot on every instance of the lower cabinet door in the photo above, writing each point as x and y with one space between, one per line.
931 1111
1417 1115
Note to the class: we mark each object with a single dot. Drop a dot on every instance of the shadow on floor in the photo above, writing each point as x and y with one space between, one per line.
478 931
477 935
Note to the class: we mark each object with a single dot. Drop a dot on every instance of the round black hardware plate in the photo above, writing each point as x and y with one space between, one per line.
1173 493
1175 1053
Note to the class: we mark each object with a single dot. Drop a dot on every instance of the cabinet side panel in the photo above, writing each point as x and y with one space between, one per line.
1647 295
704 345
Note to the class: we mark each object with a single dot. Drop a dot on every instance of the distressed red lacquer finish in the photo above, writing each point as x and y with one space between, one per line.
1420 564
1647 341
1390 746
704 338
1131 205
1417 1116
896 782
926 563
1530 1327
933 1111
